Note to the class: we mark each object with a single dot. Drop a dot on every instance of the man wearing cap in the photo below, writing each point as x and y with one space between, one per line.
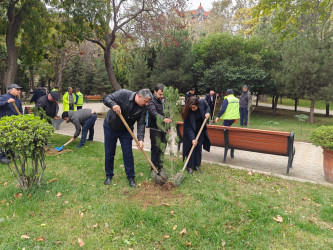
48 103
84 118
229 109
7 109
243 104
189 94
38 93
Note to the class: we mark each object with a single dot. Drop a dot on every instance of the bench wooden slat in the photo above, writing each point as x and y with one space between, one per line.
254 140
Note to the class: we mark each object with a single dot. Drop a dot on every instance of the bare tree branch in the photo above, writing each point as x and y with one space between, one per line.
97 42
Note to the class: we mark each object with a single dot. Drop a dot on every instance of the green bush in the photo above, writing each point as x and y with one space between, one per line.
23 139
323 136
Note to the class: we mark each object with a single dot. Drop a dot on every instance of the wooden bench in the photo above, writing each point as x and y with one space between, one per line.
254 140
94 98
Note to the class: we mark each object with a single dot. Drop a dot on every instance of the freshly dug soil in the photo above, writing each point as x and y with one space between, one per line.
52 151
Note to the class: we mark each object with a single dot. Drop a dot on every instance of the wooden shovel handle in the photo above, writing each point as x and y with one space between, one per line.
137 142
17 110
197 138
214 108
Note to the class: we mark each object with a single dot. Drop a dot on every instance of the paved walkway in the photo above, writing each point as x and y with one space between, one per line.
307 163
303 109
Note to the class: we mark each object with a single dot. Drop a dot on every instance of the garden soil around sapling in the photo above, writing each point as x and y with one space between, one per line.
150 194
52 151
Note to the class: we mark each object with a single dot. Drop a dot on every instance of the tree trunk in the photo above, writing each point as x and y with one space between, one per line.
60 69
327 109
275 103
31 80
281 100
47 82
296 102
312 110
12 52
109 69
257 100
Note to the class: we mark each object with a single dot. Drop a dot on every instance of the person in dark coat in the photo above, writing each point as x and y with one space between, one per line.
7 109
189 94
243 106
194 113
210 99
49 104
38 93
157 136
132 105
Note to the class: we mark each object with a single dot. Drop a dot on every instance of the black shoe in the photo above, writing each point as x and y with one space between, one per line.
190 170
131 182
5 161
108 181
197 169
90 139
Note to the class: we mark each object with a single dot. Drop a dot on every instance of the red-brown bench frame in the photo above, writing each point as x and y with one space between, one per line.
254 140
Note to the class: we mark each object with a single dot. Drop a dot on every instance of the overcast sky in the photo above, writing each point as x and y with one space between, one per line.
194 4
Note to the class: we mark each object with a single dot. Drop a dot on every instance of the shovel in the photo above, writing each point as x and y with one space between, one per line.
179 177
62 147
158 178
17 110
212 121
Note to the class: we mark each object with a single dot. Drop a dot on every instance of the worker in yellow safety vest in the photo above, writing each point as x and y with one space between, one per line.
79 99
229 109
68 100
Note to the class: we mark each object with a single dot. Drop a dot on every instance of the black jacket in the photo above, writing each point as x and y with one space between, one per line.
49 107
7 109
155 109
190 128
38 93
244 100
209 100
188 94
125 99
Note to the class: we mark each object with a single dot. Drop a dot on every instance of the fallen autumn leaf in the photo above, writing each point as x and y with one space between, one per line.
59 194
40 238
52 180
183 232
25 236
278 219
81 243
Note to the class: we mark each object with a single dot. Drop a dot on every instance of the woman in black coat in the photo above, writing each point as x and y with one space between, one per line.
194 113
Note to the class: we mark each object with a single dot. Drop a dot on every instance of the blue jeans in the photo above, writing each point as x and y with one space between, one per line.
243 116
88 125
111 137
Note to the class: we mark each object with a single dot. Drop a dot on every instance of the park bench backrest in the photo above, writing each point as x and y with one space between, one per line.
262 141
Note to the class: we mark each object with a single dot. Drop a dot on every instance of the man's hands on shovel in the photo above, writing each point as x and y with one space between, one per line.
117 110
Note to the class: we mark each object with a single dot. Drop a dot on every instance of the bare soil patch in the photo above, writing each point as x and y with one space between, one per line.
52 151
151 194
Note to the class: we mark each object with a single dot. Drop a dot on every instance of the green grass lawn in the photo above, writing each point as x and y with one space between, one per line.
302 103
220 208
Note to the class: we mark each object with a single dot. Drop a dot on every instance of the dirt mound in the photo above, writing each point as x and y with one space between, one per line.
52 151
151 194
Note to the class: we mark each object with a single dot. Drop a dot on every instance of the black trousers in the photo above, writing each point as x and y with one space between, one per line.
211 111
158 142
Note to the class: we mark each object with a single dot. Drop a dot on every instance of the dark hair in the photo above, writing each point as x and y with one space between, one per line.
193 100
159 86
64 115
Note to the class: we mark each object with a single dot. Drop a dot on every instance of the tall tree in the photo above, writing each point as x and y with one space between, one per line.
16 14
101 21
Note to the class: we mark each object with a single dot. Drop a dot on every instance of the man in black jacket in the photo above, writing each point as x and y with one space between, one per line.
157 136
132 106
38 93
48 103
210 99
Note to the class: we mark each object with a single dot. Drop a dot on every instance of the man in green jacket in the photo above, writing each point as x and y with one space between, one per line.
79 99
229 110
68 100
